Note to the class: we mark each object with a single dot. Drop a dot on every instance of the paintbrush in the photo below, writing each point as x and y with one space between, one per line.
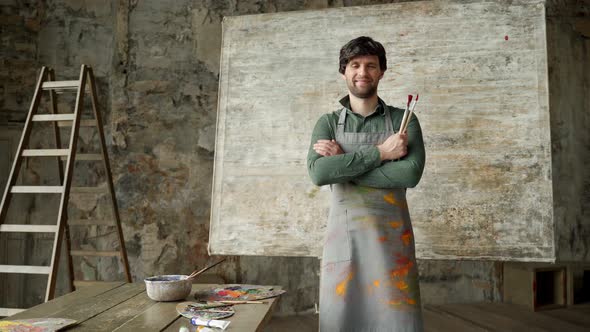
405 124
405 113
243 302
211 310
196 273
207 306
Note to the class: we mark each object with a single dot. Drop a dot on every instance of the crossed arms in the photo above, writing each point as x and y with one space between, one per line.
375 166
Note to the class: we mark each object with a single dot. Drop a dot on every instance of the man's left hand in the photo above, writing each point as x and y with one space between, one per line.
327 148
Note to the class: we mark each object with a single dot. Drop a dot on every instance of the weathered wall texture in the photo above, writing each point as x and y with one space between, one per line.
157 69
568 36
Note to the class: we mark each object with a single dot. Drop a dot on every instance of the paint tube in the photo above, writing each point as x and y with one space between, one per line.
220 324
205 329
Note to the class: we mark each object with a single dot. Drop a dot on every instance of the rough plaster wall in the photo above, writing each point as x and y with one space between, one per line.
568 35
157 64
20 23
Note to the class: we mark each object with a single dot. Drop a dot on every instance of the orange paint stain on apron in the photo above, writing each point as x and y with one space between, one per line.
395 224
401 285
390 198
406 237
341 287
404 268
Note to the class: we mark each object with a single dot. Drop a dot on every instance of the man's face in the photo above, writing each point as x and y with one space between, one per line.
362 75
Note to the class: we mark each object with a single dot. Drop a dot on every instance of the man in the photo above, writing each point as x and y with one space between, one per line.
369 277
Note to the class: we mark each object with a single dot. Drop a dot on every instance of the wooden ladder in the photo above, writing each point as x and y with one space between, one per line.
46 82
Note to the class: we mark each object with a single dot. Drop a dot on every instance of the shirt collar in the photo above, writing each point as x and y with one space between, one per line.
380 109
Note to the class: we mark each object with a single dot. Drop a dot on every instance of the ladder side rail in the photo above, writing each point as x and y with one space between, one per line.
56 131
13 176
67 184
109 175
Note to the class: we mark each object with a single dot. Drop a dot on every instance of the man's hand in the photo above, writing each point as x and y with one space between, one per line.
327 148
394 147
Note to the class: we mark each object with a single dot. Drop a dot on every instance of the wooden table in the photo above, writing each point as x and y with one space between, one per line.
119 306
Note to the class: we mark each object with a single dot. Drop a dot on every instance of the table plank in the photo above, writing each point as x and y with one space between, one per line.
72 299
157 317
97 305
118 315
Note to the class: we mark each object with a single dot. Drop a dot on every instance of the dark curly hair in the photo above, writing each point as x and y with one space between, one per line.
362 46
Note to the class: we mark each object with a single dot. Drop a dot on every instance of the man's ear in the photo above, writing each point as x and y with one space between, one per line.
343 77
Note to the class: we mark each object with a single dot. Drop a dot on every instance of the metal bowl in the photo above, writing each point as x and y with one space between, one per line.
164 288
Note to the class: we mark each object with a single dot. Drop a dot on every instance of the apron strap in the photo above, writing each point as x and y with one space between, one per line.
341 121
388 123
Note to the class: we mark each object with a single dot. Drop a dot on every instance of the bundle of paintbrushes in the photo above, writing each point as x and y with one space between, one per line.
205 310
410 106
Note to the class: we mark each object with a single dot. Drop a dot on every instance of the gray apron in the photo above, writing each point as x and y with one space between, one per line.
369 277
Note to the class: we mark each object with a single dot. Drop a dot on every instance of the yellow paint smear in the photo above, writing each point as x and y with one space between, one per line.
395 302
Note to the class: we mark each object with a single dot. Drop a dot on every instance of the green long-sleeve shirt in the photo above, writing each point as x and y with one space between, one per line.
364 167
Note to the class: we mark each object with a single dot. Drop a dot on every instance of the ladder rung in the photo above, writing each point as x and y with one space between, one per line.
54 117
87 190
86 156
45 152
61 85
10 311
83 123
83 283
90 222
37 189
26 269
94 253
28 228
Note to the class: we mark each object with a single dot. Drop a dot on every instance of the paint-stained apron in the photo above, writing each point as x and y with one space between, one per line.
369 277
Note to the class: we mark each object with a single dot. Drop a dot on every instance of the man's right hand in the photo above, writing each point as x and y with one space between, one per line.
394 147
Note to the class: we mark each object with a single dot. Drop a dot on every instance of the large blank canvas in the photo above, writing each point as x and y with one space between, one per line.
481 71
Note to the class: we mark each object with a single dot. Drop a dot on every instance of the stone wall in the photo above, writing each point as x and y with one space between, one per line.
156 64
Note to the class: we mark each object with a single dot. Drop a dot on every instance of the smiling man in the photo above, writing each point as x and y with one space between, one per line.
369 276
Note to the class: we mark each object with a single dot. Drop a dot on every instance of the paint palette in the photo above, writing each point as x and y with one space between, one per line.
238 293
205 310
36 325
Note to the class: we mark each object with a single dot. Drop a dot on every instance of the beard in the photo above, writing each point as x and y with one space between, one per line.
364 92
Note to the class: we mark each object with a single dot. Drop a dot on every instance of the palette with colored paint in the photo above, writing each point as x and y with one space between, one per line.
205 310
238 293
36 324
